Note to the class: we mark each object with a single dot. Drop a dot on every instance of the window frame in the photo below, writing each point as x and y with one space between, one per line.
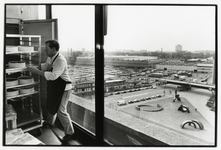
100 32
99 72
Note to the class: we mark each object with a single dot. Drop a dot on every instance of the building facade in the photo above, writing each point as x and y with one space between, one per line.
125 61
178 48
205 68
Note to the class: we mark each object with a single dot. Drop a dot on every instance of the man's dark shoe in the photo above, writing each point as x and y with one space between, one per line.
68 137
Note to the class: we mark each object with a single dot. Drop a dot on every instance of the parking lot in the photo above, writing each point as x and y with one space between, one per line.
87 73
133 97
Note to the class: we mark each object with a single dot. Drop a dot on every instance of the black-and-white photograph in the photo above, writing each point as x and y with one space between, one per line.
110 74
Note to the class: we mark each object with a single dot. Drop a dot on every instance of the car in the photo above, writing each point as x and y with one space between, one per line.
121 102
153 97
136 100
147 98
130 102
159 95
189 74
116 93
107 94
176 76
144 88
142 99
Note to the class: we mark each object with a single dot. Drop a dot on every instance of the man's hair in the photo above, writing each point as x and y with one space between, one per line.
53 43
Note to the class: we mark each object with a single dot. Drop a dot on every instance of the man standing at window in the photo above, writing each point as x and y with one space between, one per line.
58 87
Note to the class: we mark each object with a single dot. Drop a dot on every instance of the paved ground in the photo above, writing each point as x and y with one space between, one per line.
170 118
198 98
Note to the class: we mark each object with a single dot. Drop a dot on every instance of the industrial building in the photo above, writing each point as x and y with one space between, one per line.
125 61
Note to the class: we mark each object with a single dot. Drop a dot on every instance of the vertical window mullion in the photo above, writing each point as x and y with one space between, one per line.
99 74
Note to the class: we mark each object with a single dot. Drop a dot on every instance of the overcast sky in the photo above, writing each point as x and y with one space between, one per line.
139 27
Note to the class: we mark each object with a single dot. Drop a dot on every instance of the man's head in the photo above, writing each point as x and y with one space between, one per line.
51 47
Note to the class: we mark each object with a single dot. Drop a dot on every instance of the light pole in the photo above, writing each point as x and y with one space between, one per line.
164 88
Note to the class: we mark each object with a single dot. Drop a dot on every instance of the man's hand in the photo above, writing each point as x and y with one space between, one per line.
34 70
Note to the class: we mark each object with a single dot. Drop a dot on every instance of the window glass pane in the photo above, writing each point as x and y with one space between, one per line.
41 12
159 74
76 37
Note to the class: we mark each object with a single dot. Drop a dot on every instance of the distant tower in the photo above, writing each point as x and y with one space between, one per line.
69 52
178 48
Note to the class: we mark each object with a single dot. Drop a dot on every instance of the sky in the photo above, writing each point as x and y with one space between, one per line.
141 27
155 27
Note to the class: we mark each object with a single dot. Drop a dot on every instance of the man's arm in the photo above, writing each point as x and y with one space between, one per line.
35 70
58 69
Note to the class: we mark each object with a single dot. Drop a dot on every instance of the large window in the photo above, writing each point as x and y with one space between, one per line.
148 49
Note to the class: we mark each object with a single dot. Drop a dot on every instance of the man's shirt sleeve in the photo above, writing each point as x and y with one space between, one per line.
58 68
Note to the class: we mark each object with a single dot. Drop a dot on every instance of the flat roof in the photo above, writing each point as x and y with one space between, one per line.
109 81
